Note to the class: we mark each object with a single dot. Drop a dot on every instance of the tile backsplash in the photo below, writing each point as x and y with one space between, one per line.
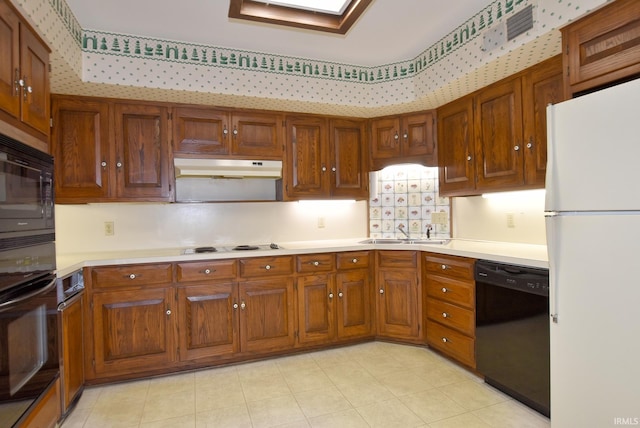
403 197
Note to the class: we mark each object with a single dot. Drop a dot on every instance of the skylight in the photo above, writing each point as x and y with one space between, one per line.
333 16
334 7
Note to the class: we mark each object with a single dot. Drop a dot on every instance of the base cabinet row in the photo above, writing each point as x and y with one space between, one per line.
153 318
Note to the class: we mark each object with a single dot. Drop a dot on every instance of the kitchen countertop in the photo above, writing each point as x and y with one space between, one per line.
505 252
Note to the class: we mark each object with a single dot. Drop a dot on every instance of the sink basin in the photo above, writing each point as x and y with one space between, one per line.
432 241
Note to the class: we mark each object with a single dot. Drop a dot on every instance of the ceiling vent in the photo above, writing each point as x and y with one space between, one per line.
520 23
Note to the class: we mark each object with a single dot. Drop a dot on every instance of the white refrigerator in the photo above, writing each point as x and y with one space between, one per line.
593 236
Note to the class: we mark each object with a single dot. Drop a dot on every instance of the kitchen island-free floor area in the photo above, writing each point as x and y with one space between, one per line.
374 384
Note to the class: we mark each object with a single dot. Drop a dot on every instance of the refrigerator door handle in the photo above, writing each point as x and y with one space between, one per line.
551 220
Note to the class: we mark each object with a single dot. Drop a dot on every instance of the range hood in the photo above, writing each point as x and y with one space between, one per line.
227 168
221 180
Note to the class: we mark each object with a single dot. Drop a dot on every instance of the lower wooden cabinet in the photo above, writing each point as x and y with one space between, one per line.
450 302
399 302
72 369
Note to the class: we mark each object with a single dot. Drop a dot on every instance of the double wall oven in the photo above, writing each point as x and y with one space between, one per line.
29 350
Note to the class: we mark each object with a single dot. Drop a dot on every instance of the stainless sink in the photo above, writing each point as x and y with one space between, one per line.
436 241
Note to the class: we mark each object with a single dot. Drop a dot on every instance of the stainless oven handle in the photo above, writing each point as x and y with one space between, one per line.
48 287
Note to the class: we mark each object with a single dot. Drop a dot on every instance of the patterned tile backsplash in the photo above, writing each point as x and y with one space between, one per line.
403 197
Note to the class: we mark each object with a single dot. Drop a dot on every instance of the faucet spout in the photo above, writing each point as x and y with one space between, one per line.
401 229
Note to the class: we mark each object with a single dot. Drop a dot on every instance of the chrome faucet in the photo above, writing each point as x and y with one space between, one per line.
401 229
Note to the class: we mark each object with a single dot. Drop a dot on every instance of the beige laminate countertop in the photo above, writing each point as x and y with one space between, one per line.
518 254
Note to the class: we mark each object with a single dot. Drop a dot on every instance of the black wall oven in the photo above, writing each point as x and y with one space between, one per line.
29 349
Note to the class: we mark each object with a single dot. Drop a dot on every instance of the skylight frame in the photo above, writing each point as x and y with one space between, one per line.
253 10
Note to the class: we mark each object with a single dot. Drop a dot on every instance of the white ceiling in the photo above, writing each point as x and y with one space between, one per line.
388 31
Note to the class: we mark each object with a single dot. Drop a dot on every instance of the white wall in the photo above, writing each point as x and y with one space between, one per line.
80 228
486 219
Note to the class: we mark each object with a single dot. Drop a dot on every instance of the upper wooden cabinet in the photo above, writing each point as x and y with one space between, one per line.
216 133
24 75
495 138
110 151
326 158
603 47
402 139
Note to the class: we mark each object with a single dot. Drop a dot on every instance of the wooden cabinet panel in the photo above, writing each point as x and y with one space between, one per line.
310 263
34 64
397 259
353 260
541 85
451 290
10 65
456 147
132 330
406 138
256 135
142 158
452 343
266 266
451 266
354 303
452 316
399 304
385 138
266 315
72 370
316 296
200 131
348 158
143 275
206 271
82 150
603 47
418 136
307 165
498 134
208 324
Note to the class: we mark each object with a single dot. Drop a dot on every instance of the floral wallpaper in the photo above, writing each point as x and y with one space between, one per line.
404 197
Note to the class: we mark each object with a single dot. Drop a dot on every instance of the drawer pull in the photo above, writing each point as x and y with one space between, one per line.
354 261
445 267
340 294
168 311
445 290
132 276
445 340
445 315
330 295
382 291
243 305
208 271
268 267
316 263
235 306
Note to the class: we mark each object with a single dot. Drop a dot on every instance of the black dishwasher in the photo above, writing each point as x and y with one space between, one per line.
512 331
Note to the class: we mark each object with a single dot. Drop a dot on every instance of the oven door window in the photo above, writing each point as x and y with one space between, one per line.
22 196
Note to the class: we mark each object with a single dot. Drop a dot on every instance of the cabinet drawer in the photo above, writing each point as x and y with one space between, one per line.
262 266
452 316
131 275
397 259
203 271
458 267
451 290
310 263
353 260
452 343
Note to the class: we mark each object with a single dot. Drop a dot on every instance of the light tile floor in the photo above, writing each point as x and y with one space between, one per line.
374 384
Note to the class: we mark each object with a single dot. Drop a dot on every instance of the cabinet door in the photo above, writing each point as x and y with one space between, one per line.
498 136
307 174
132 330
385 138
34 64
353 303
257 135
81 147
266 315
541 86
10 65
72 372
200 131
348 159
207 323
142 158
417 135
456 147
316 295
399 304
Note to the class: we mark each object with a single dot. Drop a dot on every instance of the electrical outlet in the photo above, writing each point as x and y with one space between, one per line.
321 224
439 218
109 228
511 221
